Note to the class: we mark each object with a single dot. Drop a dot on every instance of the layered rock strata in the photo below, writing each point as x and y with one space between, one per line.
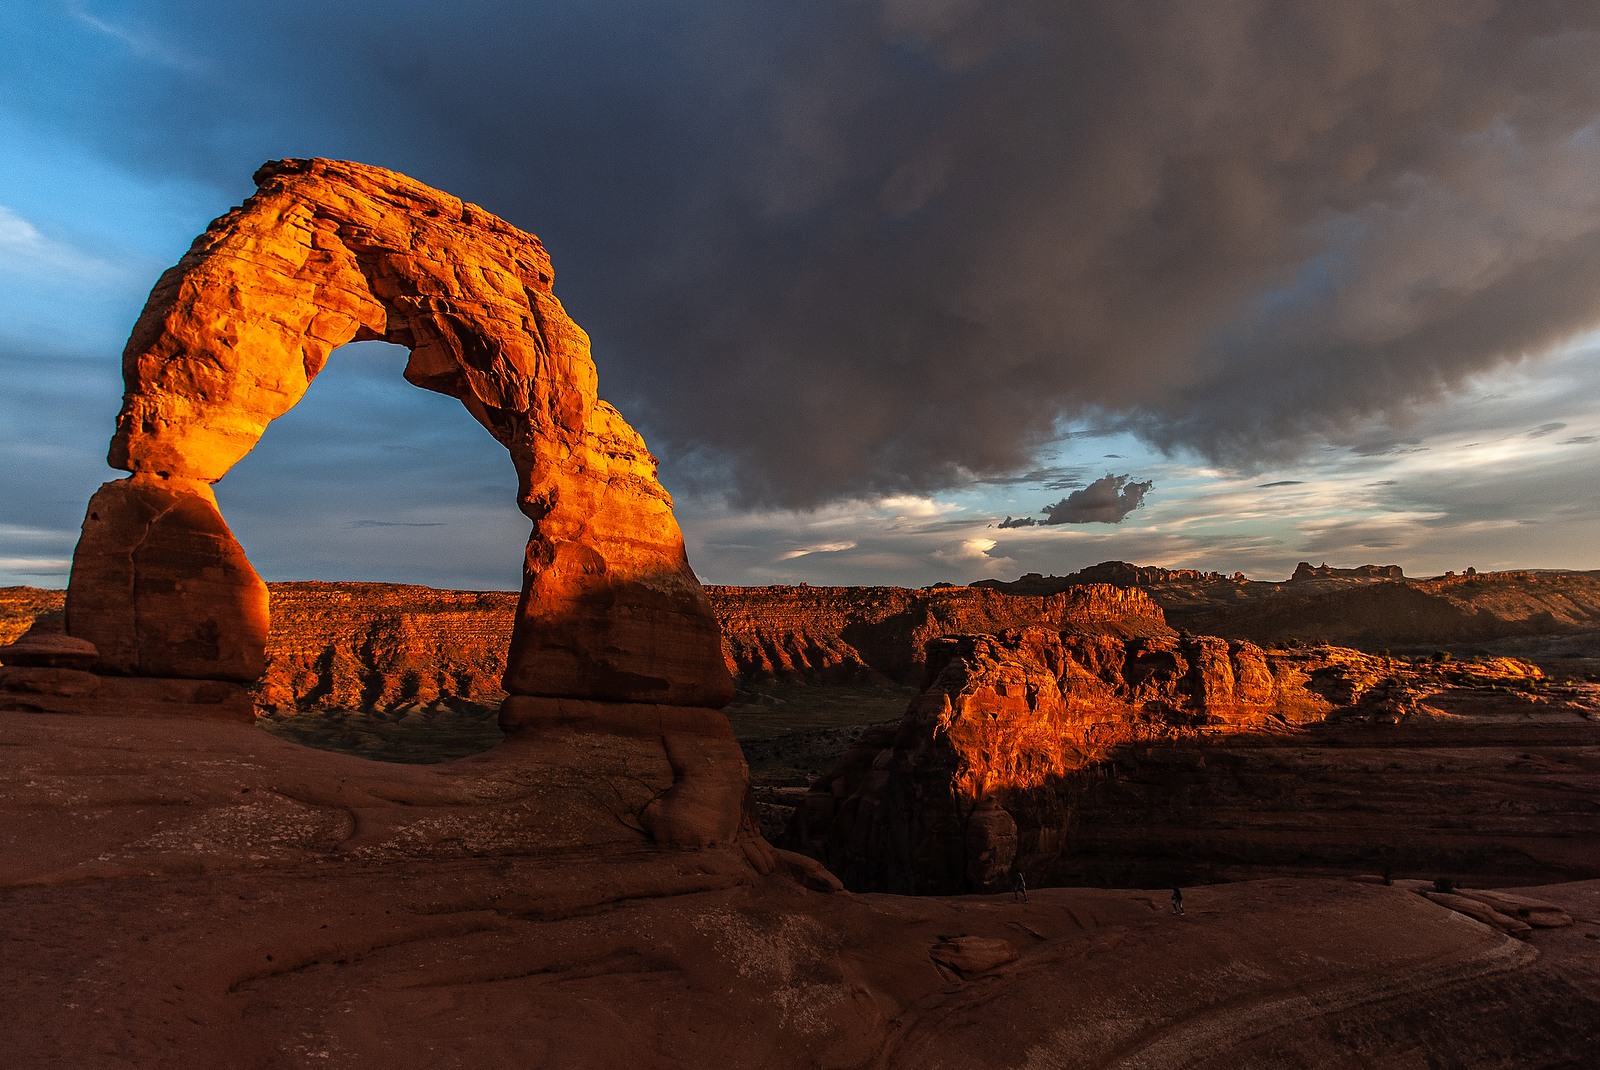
1015 735
1373 606
832 634
383 646
329 252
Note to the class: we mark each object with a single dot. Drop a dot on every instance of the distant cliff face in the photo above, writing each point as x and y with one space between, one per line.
1372 605
22 607
373 645
1305 570
985 771
383 645
378 646
841 633
1457 609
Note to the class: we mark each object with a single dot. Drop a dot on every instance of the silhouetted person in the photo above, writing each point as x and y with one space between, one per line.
1019 888
1177 901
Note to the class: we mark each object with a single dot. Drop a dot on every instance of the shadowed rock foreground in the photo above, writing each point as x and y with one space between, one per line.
183 893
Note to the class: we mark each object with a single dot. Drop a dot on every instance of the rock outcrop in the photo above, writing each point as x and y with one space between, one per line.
1401 614
325 253
1305 570
161 587
1015 736
833 634
1372 605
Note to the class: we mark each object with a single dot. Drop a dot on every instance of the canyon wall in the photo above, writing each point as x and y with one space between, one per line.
1017 735
378 646
375 646
1457 609
831 634
1372 606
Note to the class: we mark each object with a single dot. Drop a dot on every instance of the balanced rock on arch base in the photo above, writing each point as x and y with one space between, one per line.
330 252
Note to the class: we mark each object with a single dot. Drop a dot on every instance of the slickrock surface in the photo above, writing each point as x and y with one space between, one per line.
200 895
844 633
1088 759
327 252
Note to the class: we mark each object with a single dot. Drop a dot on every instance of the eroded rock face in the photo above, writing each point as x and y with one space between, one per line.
978 778
827 634
329 252
162 588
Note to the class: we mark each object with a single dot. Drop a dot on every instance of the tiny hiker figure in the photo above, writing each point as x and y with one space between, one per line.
1019 888
1177 901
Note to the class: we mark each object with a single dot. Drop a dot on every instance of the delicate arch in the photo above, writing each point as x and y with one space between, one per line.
329 252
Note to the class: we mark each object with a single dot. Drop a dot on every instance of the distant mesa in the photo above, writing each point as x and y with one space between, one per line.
1123 574
1305 570
1117 573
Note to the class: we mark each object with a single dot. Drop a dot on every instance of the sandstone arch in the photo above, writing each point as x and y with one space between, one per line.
329 252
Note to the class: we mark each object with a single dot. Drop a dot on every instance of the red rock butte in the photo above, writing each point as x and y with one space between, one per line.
329 252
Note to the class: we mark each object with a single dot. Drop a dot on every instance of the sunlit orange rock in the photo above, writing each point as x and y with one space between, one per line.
976 779
161 587
329 252
825 634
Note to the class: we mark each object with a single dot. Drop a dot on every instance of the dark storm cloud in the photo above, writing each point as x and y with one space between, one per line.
1105 501
833 249
1050 478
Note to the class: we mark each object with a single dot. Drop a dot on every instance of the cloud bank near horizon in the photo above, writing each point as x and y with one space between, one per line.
836 250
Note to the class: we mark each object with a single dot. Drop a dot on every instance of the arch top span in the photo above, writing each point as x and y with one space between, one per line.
327 252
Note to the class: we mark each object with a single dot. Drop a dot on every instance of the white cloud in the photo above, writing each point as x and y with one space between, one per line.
142 45
35 566
26 251
912 505
825 548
